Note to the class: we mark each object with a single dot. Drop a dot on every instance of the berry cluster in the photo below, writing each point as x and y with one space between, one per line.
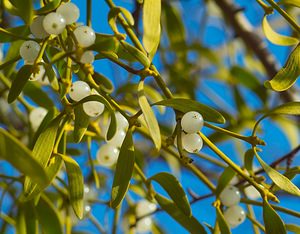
144 208
234 214
191 123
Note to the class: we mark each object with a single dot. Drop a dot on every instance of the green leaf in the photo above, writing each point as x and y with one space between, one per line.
20 157
188 222
19 82
273 223
81 123
151 25
292 227
224 227
16 7
7 35
288 75
76 184
104 82
290 108
248 161
275 37
105 42
174 189
42 150
295 3
124 170
139 55
186 105
113 13
48 217
50 6
280 180
224 179
149 116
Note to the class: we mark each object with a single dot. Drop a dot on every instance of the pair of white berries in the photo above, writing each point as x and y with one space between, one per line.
144 208
108 153
234 214
191 123
80 90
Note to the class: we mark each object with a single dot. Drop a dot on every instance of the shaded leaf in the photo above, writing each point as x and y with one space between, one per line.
18 31
224 227
124 170
175 191
16 7
224 179
149 116
273 223
186 105
140 56
50 6
104 82
81 123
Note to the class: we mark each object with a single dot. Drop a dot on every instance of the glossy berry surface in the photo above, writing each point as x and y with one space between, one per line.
29 51
69 11
79 90
122 122
85 36
36 117
37 28
144 225
118 138
87 57
54 23
192 143
144 207
192 122
93 108
107 155
235 215
230 196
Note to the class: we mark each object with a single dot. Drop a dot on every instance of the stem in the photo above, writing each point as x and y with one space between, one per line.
116 219
211 159
285 15
256 224
89 13
140 173
96 223
94 172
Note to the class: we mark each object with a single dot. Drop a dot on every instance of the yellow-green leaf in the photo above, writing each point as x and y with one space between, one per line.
151 25
287 75
224 227
81 123
76 184
224 179
149 116
280 180
21 158
140 56
275 37
295 3
124 170
186 105
188 222
49 6
19 82
174 189
273 223
7 35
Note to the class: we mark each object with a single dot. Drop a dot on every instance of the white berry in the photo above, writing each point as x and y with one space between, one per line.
87 57
107 155
69 11
89 193
54 23
122 122
191 122
144 225
144 207
79 90
118 138
252 193
192 143
85 36
230 196
93 108
235 215
37 28
29 51
36 117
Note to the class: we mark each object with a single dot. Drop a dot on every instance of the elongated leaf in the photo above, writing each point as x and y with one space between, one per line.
21 158
17 7
224 227
288 75
273 223
280 180
295 3
151 25
113 13
50 6
275 37
124 169
292 227
248 161
18 31
225 179
188 222
81 123
175 191
140 56
186 105
30 217
104 82
19 82
149 116
42 150
105 42
290 108
76 184
48 217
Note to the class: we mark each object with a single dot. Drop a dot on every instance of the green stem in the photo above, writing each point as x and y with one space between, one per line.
94 172
116 220
211 159
278 208
89 13
256 224
140 173
96 223
284 14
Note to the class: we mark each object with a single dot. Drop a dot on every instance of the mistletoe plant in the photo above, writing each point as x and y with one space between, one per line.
77 143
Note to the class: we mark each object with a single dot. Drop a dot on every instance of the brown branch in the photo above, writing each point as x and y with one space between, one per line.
252 40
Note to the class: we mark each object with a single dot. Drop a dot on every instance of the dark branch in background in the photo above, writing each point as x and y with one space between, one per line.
251 39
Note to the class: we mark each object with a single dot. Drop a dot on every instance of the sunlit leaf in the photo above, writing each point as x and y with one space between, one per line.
273 222
225 179
140 56
50 6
